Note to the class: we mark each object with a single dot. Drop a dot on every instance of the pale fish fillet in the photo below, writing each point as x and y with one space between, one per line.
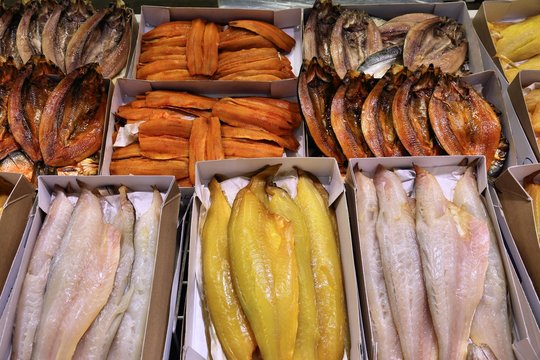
31 297
80 281
454 247
128 341
402 268
382 324
97 341
491 324
481 352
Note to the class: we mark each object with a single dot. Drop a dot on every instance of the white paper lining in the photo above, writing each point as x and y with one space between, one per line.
287 181
447 176
528 89
127 134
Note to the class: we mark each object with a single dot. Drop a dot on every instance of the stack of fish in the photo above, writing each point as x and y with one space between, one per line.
517 45
420 113
52 122
87 289
69 33
192 50
177 129
532 100
350 39
432 270
272 272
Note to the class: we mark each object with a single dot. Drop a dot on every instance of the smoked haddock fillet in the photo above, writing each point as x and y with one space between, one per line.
454 246
80 281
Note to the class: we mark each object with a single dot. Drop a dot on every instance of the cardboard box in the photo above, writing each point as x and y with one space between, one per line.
522 149
515 91
288 20
493 11
13 222
525 330
157 319
518 213
327 171
455 10
126 90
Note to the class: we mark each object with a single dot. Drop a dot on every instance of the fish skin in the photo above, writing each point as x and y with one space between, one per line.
410 113
312 199
64 21
385 336
491 323
96 342
8 74
345 114
454 246
18 162
464 122
393 32
378 63
402 268
481 352
128 341
317 84
9 21
80 280
309 40
232 328
376 119
354 37
327 15
29 305
27 98
308 334
36 13
440 41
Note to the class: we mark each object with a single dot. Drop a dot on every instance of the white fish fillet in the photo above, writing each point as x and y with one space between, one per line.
383 329
31 298
491 324
80 281
402 269
128 341
97 341
454 246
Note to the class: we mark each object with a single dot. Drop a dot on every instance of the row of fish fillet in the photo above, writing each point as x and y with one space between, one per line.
433 274
86 292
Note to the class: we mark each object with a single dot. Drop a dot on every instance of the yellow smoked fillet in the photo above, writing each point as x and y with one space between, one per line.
264 270
308 332
326 266
232 327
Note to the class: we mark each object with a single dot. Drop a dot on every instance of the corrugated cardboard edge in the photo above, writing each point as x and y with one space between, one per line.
526 330
156 326
515 92
497 11
327 171
156 15
14 222
455 10
126 90
517 210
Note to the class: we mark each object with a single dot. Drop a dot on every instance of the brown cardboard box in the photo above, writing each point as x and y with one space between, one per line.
126 90
13 222
515 91
526 334
455 10
327 171
498 11
518 213
157 320
289 20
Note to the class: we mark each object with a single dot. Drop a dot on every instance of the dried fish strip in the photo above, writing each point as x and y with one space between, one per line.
235 39
210 49
164 147
131 114
159 66
270 32
194 47
144 166
72 121
169 41
172 127
155 51
289 143
242 148
126 152
197 144
168 29
176 99
214 147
